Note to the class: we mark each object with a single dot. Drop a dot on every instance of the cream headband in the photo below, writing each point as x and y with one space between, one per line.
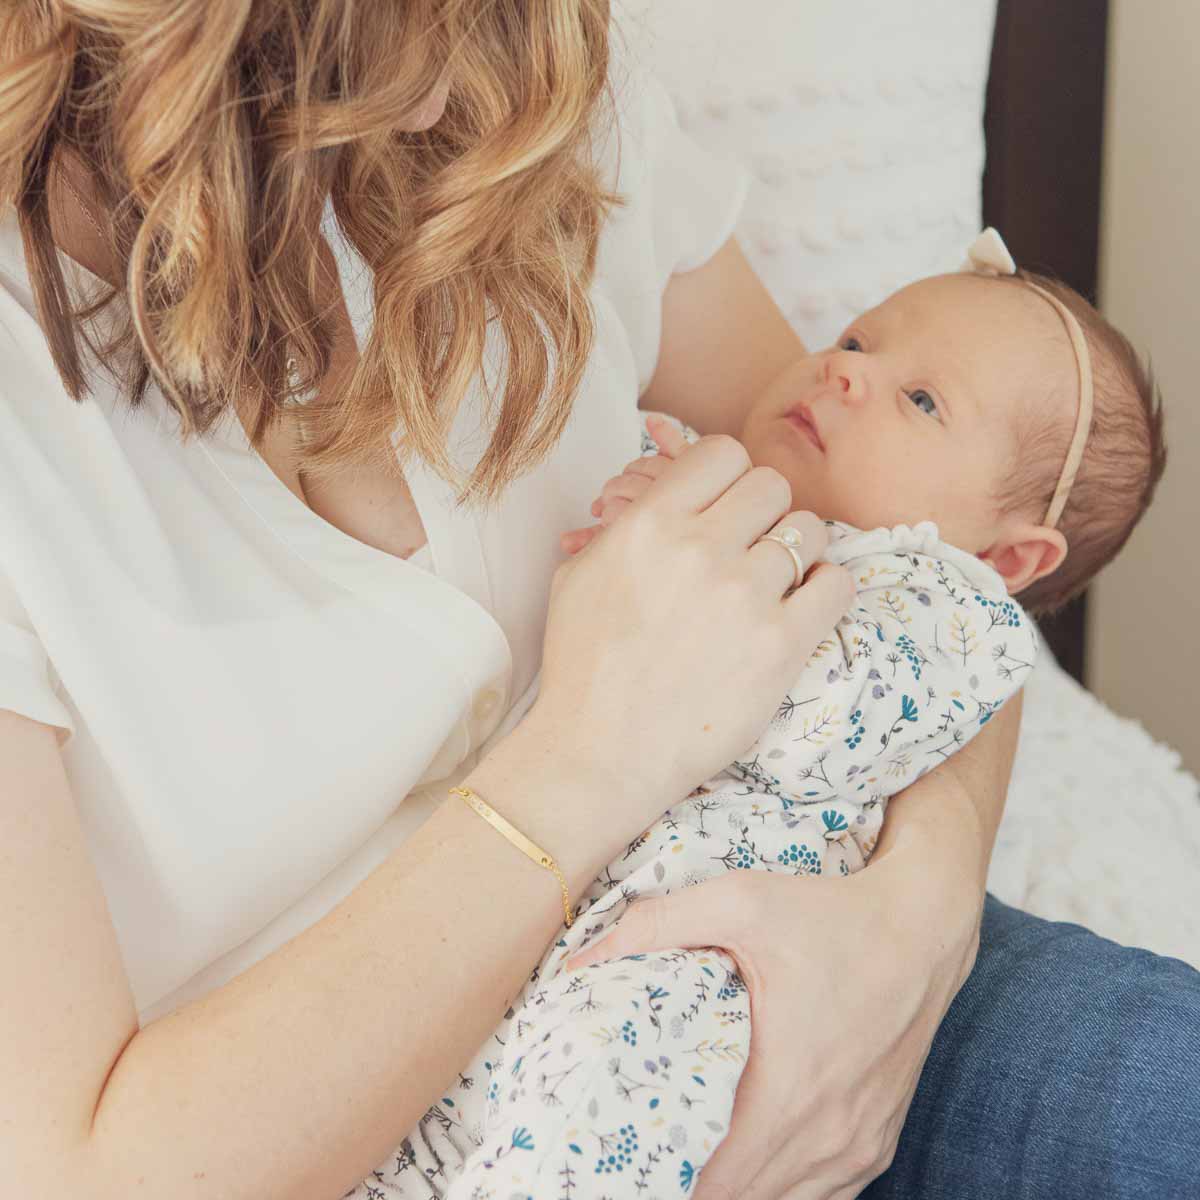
988 255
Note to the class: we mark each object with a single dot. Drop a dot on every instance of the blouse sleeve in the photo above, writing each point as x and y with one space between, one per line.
681 204
26 686
697 195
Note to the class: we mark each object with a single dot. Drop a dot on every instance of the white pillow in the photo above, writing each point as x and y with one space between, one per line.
861 122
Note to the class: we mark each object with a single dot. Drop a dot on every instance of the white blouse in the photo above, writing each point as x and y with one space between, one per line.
254 708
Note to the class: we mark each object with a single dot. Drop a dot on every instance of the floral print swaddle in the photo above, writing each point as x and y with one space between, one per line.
619 1080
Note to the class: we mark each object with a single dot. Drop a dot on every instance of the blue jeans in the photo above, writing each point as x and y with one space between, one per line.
1068 1067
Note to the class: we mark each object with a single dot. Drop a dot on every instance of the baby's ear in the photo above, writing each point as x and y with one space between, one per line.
1024 553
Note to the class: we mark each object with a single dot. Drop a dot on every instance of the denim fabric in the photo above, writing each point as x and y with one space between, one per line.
1068 1067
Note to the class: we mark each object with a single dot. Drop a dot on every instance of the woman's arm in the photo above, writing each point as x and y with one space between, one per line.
723 340
300 1076
956 809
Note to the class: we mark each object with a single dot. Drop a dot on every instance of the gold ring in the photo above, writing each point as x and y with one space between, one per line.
790 539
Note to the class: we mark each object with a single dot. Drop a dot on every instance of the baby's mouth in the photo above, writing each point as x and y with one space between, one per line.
801 416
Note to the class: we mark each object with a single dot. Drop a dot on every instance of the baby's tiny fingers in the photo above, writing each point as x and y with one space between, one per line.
670 440
649 465
575 540
628 487
612 509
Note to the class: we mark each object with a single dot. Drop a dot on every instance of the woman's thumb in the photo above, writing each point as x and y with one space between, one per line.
681 921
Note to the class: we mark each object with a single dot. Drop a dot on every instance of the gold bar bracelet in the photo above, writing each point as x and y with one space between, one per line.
518 839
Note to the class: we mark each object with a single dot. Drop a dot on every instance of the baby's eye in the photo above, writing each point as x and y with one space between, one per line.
924 401
851 343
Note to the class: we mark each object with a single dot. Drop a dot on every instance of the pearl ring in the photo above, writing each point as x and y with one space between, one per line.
790 539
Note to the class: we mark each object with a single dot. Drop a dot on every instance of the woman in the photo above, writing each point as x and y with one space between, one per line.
247 645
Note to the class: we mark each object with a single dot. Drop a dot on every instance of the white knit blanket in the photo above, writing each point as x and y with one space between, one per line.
1102 825
861 122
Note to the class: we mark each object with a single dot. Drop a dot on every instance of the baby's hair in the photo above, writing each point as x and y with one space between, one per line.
1122 462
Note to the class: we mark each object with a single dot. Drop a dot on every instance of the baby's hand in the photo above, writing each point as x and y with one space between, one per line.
622 490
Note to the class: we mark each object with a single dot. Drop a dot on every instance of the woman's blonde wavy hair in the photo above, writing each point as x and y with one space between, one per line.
214 132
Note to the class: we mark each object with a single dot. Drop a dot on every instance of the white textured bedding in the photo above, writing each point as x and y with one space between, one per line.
861 121
1102 824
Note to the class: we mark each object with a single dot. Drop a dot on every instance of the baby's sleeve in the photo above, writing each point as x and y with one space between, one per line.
920 664
26 684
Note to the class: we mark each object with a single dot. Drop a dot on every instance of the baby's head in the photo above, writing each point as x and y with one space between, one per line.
955 401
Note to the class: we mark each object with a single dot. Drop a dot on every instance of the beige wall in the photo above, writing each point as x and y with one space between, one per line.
1144 637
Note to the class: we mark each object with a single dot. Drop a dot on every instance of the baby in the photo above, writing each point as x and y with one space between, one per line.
973 437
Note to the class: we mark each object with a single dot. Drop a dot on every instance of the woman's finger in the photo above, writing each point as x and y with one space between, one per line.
662 924
823 600
703 476
727 1175
772 566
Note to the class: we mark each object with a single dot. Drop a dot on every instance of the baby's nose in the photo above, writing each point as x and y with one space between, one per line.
833 378
846 377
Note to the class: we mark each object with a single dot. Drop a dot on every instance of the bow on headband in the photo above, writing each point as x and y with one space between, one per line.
988 255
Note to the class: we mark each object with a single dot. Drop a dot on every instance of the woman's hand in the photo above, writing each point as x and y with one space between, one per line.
669 641
848 980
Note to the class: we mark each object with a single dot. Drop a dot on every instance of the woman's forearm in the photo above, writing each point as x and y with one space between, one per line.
951 815
298 1077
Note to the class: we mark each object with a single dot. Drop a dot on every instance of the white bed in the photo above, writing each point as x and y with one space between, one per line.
861 123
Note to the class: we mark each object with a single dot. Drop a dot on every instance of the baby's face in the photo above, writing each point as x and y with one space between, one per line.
913 415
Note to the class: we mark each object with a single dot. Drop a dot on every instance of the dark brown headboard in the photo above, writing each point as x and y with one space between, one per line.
1041 186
